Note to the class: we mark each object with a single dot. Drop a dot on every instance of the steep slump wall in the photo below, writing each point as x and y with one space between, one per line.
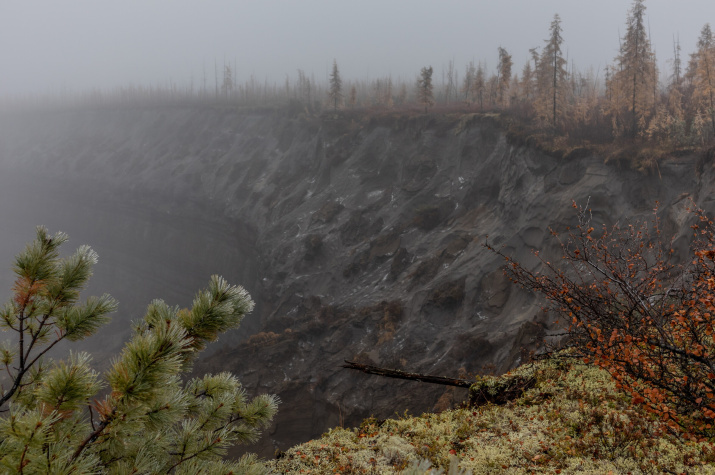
359 237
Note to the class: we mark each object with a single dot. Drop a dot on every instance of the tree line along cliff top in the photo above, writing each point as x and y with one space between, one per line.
548 99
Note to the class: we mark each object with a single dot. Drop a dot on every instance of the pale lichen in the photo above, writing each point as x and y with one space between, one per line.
572 420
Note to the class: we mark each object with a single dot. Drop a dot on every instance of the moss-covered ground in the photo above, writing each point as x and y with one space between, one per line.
572 420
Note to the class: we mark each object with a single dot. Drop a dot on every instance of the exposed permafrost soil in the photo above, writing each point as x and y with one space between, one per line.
365 234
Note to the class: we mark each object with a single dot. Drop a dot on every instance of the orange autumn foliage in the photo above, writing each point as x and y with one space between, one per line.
25 289
632 310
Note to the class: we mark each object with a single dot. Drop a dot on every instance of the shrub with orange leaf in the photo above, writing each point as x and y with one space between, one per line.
631 310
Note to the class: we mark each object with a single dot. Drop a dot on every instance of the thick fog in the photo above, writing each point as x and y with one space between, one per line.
143 254
75 45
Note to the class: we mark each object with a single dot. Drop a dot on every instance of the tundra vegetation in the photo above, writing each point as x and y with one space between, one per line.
142 415
574 419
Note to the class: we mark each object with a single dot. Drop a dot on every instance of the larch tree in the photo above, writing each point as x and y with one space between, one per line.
677 76
382 92
514 90
528 80
450 86
637 75
479 85
150 418
228 83
615 99
352 100
552 77
336 86
675 99
468 84
503 76
304 88
389 101
402 94
425 95
704 75
584 102
492 87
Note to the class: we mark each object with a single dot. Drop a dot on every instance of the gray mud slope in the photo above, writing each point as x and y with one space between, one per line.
364 235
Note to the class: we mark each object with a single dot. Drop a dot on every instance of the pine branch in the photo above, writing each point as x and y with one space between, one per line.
22 464
35 337
93 436
195 454
91 416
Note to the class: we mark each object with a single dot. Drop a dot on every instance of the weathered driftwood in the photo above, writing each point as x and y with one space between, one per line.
396 373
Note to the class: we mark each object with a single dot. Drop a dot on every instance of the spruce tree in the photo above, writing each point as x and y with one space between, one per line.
336 86
151 420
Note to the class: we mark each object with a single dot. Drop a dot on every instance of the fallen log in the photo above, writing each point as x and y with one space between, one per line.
396 373
481 391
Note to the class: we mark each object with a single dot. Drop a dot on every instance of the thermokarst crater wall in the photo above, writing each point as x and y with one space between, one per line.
359 236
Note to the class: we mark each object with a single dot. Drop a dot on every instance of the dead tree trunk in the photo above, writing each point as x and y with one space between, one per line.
395 373
499 391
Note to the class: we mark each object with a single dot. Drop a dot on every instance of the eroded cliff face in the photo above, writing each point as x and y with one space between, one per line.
362 235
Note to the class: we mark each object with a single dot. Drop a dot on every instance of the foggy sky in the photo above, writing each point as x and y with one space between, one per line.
50 45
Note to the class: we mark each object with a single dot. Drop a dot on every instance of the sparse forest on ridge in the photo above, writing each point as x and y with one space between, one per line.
546 98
